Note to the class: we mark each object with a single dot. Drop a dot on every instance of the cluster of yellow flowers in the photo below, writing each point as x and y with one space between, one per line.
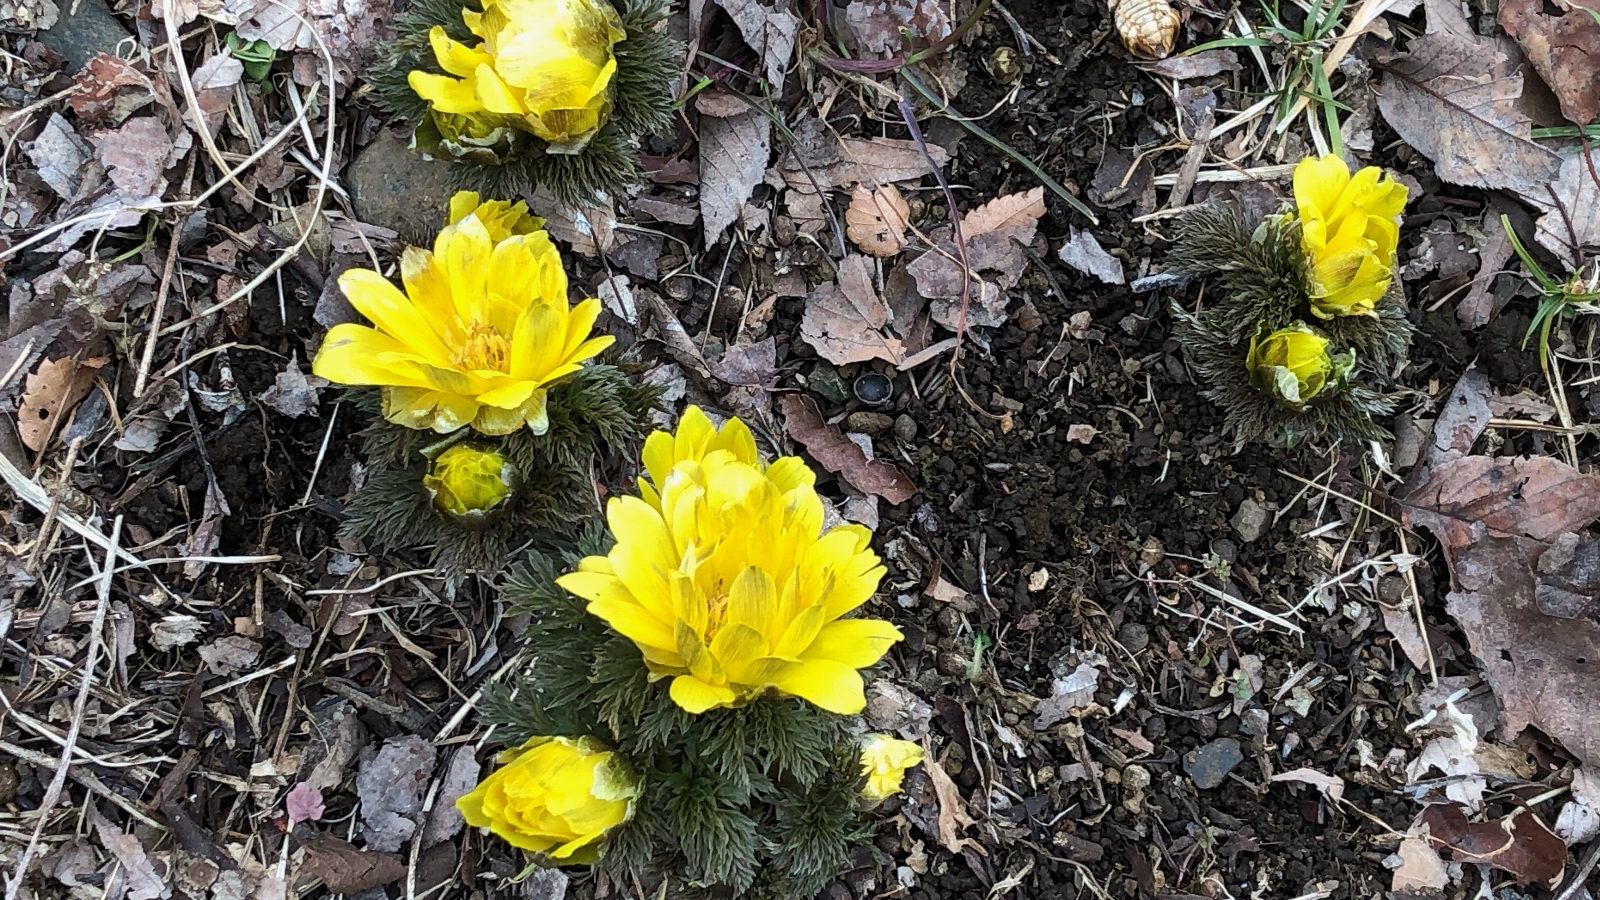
721 572
541 66
1348 235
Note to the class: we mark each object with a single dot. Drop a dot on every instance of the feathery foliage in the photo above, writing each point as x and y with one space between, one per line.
1262 271
760 800
598 412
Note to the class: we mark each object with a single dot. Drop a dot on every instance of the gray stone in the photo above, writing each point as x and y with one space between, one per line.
869 423
86 28
1210 764
825 380
1250 521
905 428
399 189
1133 637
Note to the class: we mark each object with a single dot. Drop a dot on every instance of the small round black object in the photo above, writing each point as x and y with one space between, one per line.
874 388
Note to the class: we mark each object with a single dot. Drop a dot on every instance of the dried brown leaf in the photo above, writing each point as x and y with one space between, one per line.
1331 786
1020 211
140 876
844 321
859 161
109 89
347 870
1565 50
876 220
953 815
214 84
1421 871
1571 230
770 32
1535 497
53 390
391 786
1519 844
1496 519
1455 99
135 156
840 455
882 26
733 160
1477 307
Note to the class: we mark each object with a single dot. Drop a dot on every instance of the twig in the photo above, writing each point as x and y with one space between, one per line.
52 794
155 316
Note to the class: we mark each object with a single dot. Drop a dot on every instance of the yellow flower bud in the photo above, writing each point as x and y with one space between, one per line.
468 481
1348 234
554 795
885 760
546 66
501 218
1293 364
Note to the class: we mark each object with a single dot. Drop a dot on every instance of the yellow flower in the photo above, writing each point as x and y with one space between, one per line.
545 66
469 482
885 760
722 577
480 333
1293 364
1348 234
553 795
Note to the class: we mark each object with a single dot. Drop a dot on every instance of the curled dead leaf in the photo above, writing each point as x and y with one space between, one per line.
840 455
53 391
876 220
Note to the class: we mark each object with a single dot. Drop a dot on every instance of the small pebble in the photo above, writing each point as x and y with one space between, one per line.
948 621
951 662
1250 521
905 428
1133 636
1210 764
870 423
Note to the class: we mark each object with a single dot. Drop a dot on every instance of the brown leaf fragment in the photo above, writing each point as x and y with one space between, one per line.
109 89
733 159
391 787
840 455
1421 871
1537 497
770 30
858 161
60 156
953 815
883 26
53 390
1021 211
1519 844
294 393
214 84
347 870
135 156
876 220
1477 307
142 881
1570 227
1496 518
843 321
1564 50
1455 99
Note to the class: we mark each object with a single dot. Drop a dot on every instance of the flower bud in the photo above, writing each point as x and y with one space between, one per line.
469 482
1293 364
554 795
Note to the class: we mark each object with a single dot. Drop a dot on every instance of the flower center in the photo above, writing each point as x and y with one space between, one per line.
484 349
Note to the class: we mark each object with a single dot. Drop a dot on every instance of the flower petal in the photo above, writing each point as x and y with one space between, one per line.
831 685
696 696
856 643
